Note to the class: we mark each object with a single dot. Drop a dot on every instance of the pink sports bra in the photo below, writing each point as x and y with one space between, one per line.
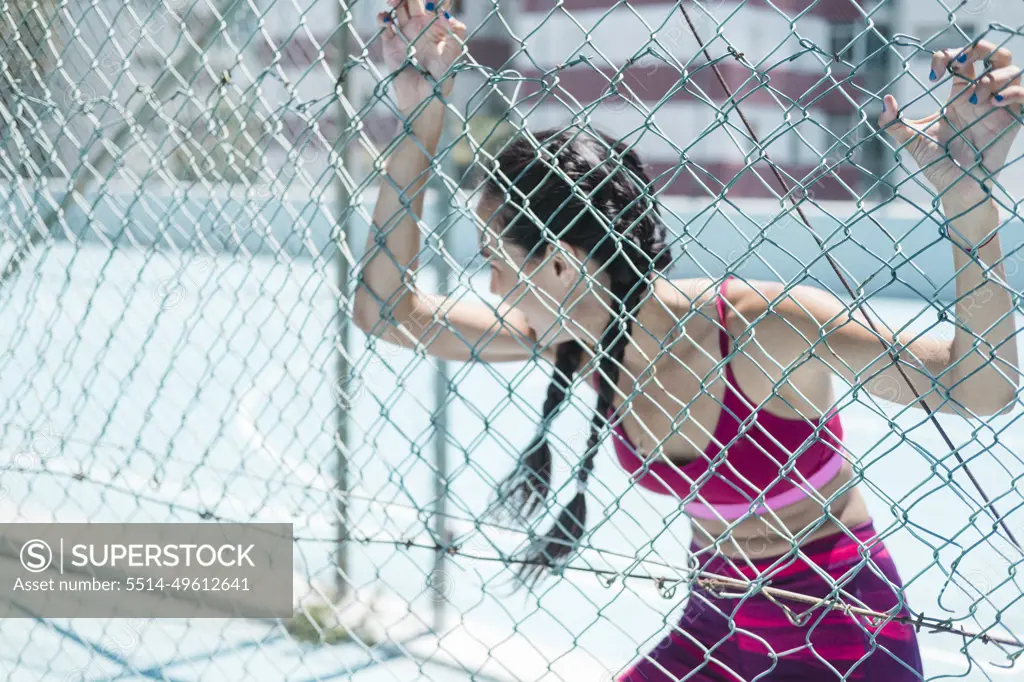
756 443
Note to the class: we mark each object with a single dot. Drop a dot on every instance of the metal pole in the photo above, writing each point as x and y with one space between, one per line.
342 365
443 581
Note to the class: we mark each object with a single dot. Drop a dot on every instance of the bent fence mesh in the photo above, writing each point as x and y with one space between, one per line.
187 191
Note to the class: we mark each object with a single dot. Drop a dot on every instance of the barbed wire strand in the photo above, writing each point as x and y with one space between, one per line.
709 581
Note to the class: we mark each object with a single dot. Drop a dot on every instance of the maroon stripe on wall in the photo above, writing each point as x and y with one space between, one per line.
756 182
651 83
491 51
834 11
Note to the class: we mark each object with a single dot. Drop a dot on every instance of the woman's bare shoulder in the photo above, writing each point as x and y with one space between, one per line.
745 299
690 293
691 300
699 294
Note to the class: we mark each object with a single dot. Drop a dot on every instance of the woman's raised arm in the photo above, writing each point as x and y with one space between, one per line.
387 303
961 151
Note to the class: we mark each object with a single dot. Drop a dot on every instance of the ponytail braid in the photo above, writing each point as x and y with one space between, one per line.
559 543
523 491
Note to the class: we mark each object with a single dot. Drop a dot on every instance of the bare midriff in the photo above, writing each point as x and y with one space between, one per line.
770 534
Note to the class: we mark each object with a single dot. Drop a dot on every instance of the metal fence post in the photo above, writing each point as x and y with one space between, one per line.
442 581
344 288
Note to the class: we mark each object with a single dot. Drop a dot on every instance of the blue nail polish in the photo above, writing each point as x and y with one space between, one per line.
429 7
932 76
974 98
999 98
884 108
387 19
447 16
962 58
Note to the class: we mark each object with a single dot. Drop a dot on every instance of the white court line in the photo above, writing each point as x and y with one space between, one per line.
958 661
494 653
304 471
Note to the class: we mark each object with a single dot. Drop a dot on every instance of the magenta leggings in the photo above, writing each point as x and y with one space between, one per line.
723 639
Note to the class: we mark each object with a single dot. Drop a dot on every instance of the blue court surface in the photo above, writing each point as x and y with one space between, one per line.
145 387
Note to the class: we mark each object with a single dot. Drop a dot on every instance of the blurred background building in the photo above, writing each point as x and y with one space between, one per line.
259 104
807 82
242 96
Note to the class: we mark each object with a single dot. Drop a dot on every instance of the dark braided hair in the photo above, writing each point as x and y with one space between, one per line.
595 174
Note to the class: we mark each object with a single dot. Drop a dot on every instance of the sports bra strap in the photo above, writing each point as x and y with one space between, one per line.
723 335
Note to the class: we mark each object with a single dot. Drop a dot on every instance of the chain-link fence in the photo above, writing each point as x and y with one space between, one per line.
188 191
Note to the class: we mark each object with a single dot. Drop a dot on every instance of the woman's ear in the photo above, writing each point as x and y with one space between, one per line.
559 264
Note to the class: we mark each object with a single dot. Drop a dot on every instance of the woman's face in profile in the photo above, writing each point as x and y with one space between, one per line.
537 287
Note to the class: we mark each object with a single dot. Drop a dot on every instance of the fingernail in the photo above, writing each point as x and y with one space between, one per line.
429 7
999 98
884 108
974 98
932 76
962 58
387 18
447 16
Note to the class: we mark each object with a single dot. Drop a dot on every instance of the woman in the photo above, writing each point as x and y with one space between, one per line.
680 365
